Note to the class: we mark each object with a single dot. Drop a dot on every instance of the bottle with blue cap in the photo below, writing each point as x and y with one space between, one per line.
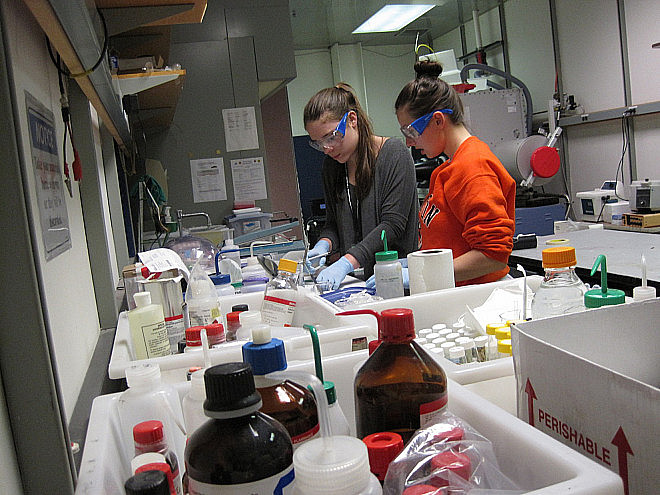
288 402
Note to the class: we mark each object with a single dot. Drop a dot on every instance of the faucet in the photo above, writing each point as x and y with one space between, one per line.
180 215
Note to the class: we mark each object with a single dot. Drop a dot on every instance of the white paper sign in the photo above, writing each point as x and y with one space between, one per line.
208 180
240 129
48 177
162 259
249 178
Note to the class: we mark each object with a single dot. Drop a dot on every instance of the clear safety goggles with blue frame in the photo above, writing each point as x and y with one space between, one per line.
417 127
332 139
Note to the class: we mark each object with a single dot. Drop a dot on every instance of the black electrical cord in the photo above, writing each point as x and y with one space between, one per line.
626 143
87 72
604 201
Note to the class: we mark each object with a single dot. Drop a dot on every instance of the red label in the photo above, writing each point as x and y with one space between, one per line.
174 318
430 407
305 436
280 301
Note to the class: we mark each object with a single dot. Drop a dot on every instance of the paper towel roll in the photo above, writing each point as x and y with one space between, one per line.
430 269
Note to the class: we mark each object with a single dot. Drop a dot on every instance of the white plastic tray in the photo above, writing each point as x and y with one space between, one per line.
336 335
533 460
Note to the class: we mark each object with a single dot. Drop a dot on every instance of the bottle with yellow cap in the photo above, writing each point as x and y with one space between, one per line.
561 291
281 296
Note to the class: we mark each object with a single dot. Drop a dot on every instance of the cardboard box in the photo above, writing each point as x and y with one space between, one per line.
641 219
590 380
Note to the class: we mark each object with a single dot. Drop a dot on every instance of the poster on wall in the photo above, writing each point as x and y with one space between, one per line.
248 178
208 180
240 129
53 216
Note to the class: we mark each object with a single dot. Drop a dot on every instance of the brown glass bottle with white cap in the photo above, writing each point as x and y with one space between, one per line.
400 388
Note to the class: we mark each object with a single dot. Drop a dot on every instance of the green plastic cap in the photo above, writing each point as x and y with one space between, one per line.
595 298
330 392
387 256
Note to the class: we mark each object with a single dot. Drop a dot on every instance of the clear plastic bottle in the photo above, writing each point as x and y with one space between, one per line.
147 398
288 402
193 403
281 296
148 436
388 273
248 320
222 283
400 388
240 450
202 298
148 330
230 250
561 290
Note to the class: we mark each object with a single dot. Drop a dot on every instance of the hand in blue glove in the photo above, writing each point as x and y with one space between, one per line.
371 281
320 249
335 273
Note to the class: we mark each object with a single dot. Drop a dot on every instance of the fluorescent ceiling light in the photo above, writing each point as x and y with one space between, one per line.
392 18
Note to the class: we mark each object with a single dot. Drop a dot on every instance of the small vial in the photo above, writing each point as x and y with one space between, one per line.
445 346
457 355
421 340
459 325
439 341
470 348
493 353
481 344
452 336
445 332
438 326
431 336
424 332
503 333
438 351
428 346
504 348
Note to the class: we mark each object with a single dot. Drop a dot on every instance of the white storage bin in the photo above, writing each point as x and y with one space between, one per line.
336 335
244 223
447 306
533 460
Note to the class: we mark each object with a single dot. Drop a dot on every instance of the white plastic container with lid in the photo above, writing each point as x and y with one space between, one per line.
147 398
281 296
222 283
193 403
230 250
202 299
457 355
388 272
148 329
249 320
561 290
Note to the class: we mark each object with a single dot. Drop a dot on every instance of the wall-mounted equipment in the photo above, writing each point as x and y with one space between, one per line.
645 195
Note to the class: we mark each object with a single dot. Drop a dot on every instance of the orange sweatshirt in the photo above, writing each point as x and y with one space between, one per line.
470 205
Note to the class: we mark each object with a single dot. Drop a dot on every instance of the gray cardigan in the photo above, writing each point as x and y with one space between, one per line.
391 204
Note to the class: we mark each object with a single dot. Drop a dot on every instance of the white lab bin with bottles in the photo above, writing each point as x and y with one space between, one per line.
534 461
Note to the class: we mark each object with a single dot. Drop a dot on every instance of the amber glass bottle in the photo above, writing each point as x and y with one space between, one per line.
400 388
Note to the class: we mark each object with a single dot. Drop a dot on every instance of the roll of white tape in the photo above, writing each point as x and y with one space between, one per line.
430 269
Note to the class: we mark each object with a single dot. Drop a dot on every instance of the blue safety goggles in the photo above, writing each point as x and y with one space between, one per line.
416 128
332 139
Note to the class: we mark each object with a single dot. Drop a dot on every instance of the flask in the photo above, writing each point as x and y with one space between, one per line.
400 388
240 450
388 272
148 437
280 296
148 330
222 284
561 290
150 482
193 403
147 398
288 402
202 298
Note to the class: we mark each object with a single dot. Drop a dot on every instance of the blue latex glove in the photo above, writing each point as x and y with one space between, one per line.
335 273
371 281
321 247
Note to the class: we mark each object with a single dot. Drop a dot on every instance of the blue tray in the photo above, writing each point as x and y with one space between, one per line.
338 294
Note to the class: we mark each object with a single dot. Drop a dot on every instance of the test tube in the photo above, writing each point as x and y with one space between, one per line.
481 343
457 355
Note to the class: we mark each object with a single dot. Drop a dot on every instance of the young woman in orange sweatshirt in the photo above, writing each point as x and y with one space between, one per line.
470 206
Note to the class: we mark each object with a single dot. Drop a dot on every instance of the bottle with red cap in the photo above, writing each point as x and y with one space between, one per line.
400 388
215 333
149 437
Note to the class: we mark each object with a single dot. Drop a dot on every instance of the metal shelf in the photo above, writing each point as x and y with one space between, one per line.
614 113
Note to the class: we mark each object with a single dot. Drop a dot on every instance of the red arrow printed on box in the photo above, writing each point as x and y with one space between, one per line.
529 390
623 447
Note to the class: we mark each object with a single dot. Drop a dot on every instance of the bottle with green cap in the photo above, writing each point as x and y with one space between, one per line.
595 298
388 272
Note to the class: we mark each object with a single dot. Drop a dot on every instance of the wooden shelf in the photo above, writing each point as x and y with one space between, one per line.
162 12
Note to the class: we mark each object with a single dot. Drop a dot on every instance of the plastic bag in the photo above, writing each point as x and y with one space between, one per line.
448 457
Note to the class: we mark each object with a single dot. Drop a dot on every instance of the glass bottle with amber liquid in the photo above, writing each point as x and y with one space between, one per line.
400 388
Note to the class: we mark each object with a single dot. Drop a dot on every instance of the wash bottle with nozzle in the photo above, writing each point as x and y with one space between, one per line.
329 464
644 291
388 272
338 421
400 388
595 298
286 401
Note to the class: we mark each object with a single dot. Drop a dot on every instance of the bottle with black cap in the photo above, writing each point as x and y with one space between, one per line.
239 450
147 483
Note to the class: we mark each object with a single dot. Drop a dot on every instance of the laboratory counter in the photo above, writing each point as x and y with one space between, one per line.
623 251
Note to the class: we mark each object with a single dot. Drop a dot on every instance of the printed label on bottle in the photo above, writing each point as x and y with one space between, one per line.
155 339
277 312
280 484
204 316
308 435
176 330
429 411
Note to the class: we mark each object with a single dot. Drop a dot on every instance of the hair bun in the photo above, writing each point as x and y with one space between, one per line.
426 68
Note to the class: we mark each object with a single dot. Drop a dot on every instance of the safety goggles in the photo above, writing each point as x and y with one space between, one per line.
332 139
416 128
